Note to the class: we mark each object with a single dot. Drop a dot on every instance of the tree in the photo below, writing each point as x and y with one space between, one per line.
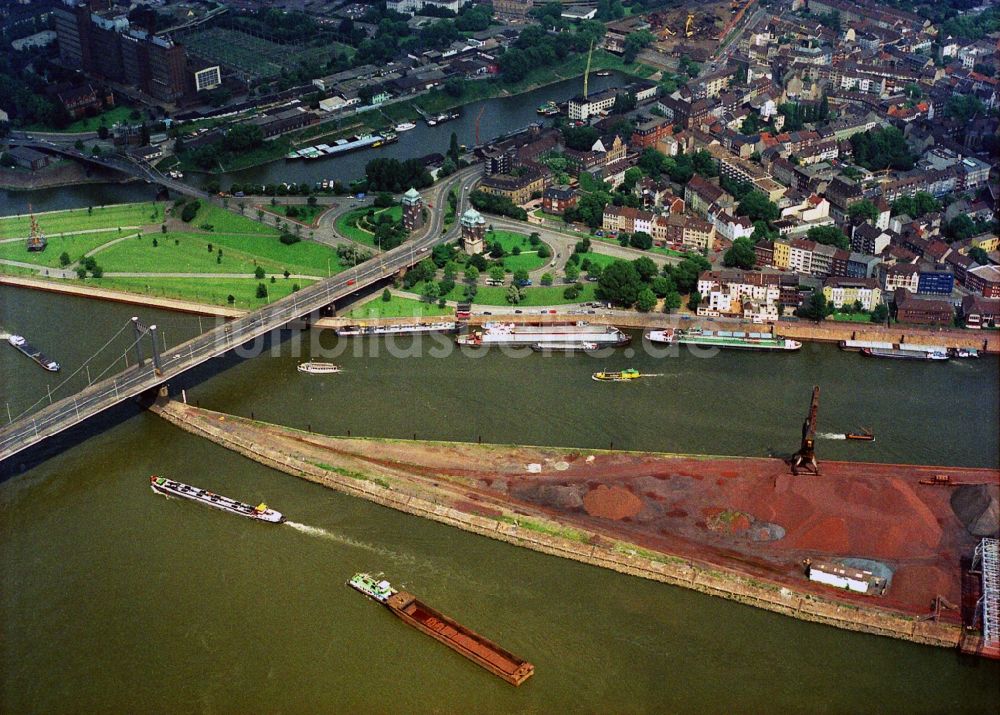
863 209
740 255
546 279
620 283
496 273
960 227
645 268
672 301
882 148
544 251
815 308
685 273
261 290
572 272
661 285
259 273
64 259
694 300
880 313
646 300
829 236
513 295
641 239
975 253
78 145
386 296
757 207
471 274
230 299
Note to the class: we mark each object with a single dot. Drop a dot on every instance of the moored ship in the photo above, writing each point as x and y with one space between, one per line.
912 353
169 487
565 347
442 118
528 335
549 109
441 326
721 339
405 127
34 353
479 650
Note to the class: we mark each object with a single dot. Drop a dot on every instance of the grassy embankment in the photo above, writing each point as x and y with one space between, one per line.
528 258
354 224
531 297
304 213
76 220
245 246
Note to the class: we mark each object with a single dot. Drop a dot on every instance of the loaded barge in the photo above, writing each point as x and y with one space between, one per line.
34 353
721 339
444 326
573 335
171 488
440 627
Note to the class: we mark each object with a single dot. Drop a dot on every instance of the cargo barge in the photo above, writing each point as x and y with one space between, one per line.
721 339
349 331
171 488
564 347
341 146
440 627
530 335
34 353
442 118
905 353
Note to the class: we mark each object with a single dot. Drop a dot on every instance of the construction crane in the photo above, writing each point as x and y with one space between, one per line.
586 73
687 25
806 456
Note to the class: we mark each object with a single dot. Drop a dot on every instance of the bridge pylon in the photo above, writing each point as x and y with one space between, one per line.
140 332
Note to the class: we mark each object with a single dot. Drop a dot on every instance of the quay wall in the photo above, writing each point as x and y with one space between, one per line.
704 578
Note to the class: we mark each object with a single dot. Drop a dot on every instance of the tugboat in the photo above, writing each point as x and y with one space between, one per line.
169 487
34 353
366 584
318 368
620 376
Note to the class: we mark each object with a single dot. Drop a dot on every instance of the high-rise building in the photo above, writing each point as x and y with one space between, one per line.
72 21
167 69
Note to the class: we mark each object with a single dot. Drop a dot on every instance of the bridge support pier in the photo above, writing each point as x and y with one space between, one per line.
137 326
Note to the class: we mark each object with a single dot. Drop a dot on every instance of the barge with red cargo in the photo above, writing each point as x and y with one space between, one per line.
440 627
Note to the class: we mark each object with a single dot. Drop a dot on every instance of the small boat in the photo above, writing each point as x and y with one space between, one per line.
34 353
405 127
603 73
584 345
619 376
965 353
548 109
318 368
169 487
864 435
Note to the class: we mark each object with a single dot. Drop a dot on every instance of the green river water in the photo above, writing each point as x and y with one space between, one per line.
115 600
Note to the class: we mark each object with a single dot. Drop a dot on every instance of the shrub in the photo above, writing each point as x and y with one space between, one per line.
261 290
189 211
289 238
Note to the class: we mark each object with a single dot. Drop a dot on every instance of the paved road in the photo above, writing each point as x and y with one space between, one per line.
31 429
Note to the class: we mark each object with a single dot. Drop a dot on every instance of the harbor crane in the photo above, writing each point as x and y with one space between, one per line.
687 25
586 73
806 456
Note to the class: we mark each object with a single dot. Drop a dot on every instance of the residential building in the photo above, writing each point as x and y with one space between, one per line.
410 7
866 238
900 275
840 291
749 295
935 282
984 280
910 309
979 312
556 199
518 187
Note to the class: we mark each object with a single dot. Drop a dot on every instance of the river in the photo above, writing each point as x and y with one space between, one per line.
113 599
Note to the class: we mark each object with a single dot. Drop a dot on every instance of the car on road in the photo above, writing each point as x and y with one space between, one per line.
351 282
518 312
522 283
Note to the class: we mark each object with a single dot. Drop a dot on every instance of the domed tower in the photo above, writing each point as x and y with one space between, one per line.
473 231
413 210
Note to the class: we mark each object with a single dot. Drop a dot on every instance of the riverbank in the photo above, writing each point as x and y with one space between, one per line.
608 509
56 175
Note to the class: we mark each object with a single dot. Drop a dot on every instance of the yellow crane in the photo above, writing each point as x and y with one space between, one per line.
687 26
586 73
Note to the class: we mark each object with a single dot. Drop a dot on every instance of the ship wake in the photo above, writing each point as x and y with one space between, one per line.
345 540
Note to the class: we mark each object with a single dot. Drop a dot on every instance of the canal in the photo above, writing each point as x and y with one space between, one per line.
114 599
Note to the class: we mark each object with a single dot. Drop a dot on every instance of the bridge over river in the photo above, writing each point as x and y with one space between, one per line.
65 413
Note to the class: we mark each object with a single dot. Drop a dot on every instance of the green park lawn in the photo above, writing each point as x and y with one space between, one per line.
76 245
223 221
108 119
528 259
598 259
850 317
399 307
188 253
214 291
306 214
74 220
346 224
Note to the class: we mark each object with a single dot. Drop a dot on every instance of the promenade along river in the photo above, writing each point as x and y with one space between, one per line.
113 599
